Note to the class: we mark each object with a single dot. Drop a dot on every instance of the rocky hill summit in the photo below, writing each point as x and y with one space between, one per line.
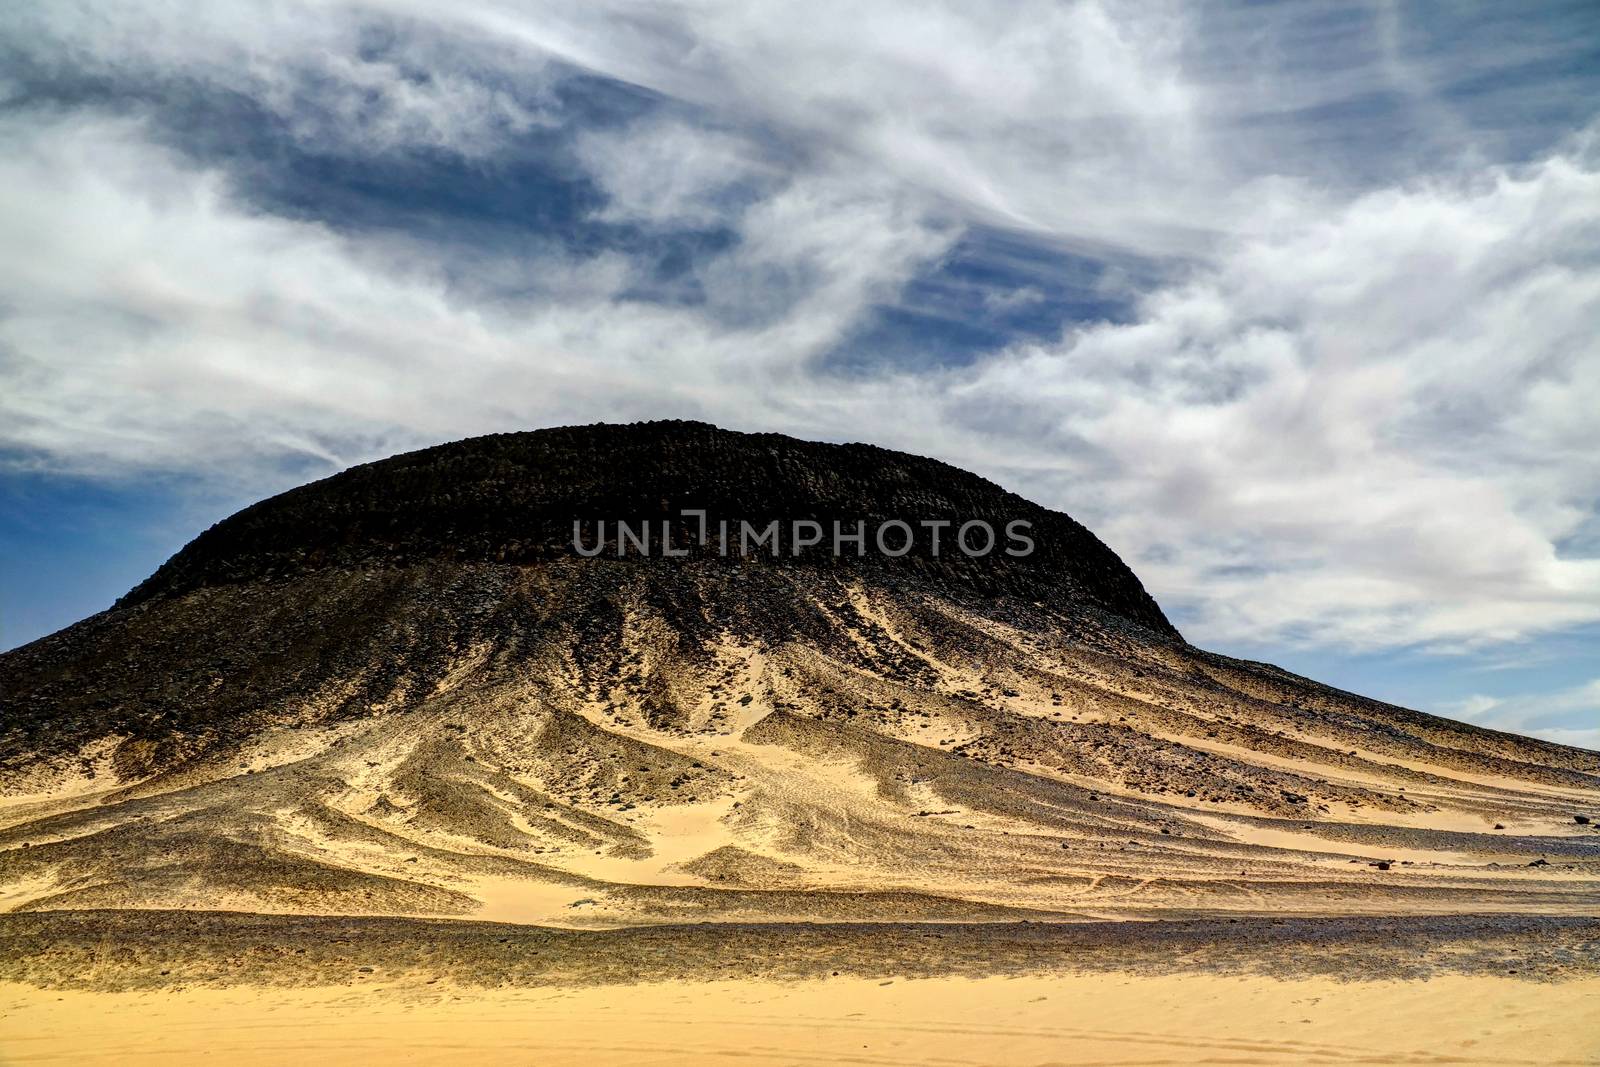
514 498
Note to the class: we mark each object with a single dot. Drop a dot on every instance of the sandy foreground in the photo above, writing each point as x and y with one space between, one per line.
1070 1019
174 987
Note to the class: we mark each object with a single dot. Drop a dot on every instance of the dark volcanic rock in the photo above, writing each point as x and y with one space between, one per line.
515 497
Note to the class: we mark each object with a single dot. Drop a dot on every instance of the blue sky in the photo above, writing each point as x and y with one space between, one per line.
1295 304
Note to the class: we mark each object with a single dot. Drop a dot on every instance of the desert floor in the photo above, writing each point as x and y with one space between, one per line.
128 988
1070 1019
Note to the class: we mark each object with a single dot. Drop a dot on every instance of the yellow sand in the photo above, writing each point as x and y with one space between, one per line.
1107 1019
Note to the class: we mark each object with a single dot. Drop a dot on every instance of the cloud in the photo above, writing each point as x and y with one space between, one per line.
337 77
1537 714
670 173
154 321
1368 428
1035 115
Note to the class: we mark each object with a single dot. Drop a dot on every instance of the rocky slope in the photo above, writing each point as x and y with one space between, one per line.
400 691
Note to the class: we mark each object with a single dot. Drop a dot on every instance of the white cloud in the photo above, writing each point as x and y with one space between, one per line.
1574 736
1371 428
329 73
1543 715
668 172
155 322
1065 118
